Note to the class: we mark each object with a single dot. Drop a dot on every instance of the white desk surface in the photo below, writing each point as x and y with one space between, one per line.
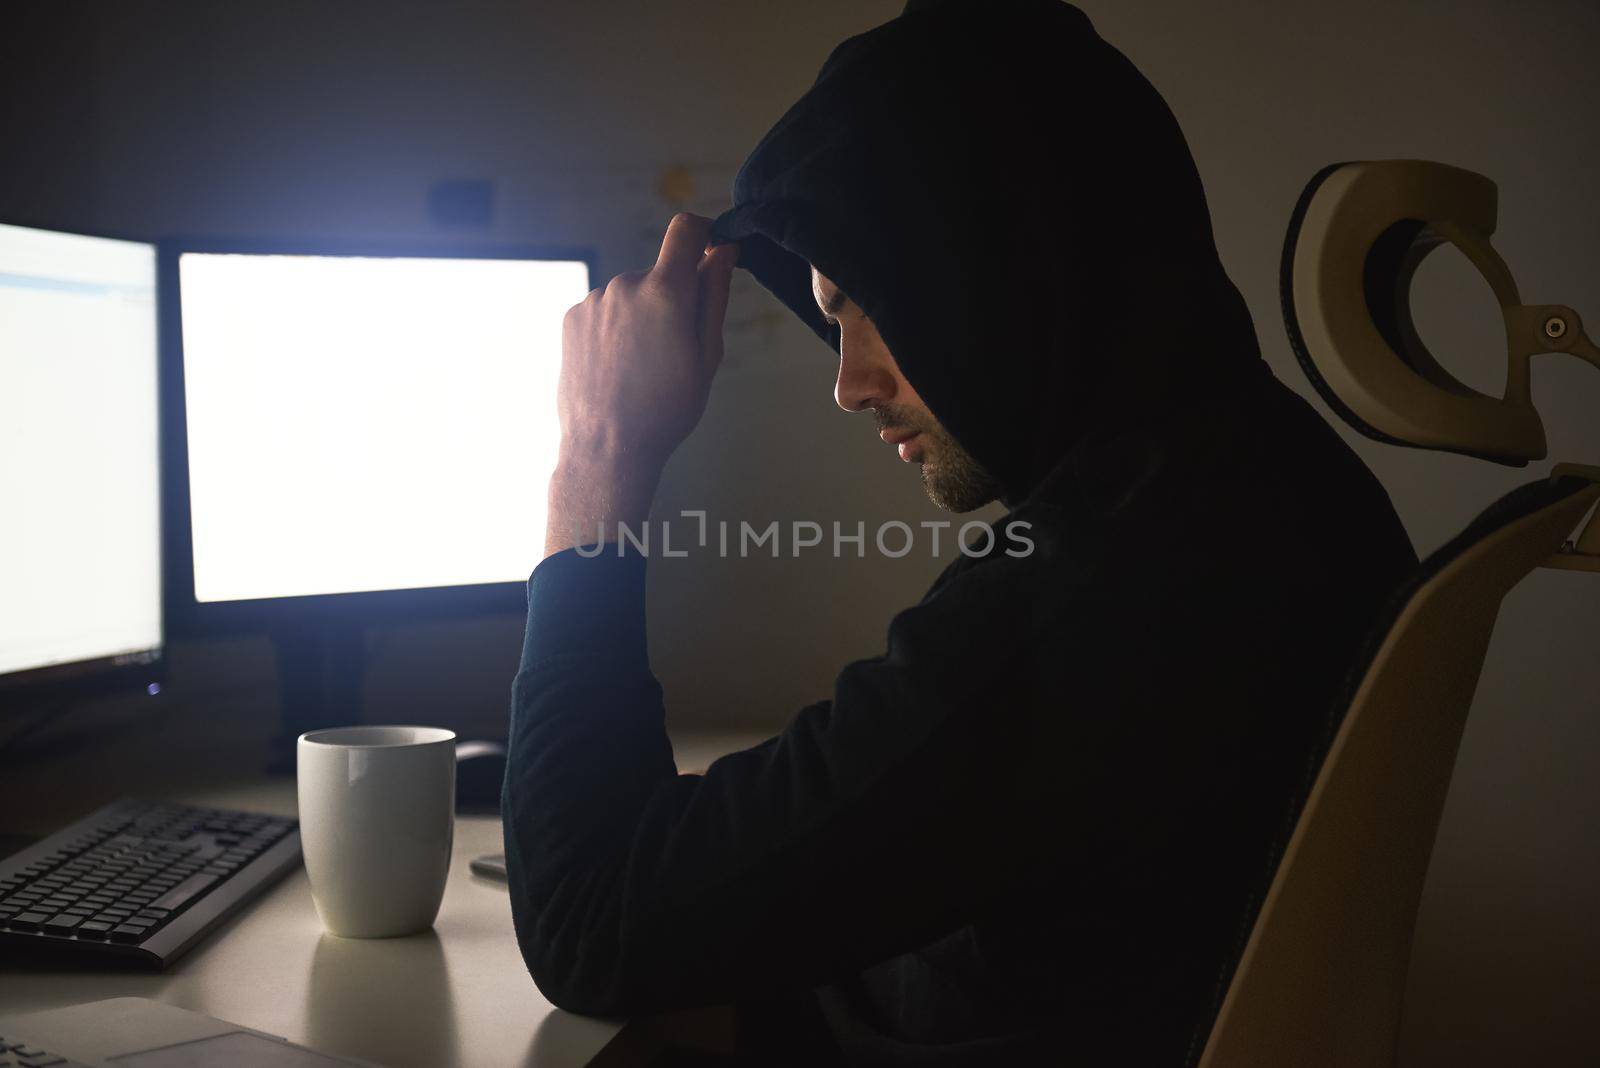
458 995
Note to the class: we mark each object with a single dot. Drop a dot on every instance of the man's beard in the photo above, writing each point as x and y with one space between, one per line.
951 477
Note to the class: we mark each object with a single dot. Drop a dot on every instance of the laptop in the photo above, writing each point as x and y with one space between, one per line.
139 1033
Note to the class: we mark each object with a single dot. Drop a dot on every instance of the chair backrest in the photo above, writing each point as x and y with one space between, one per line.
1321 979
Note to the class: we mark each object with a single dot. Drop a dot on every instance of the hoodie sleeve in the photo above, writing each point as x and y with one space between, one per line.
873 823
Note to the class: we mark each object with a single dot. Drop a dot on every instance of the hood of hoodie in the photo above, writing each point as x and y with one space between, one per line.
1014 207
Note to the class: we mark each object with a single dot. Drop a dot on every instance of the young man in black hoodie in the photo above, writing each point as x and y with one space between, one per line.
1038 826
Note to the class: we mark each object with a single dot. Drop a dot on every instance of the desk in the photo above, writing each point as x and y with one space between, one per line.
458 995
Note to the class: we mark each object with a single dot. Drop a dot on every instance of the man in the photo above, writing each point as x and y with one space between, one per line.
1038 826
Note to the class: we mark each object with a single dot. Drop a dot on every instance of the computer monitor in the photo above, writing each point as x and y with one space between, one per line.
357 434
80 518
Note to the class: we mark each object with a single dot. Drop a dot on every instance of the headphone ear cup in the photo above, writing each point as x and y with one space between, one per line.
1356 236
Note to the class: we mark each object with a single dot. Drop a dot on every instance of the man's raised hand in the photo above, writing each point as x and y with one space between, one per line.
637 359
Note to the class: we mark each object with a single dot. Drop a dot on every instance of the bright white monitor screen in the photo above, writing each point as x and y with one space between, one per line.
80 519
369 423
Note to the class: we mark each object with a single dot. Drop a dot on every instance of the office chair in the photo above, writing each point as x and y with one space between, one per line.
1320 980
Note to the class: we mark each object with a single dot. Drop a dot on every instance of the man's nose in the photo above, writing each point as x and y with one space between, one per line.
863 382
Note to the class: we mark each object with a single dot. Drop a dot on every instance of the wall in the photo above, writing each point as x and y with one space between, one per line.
304 118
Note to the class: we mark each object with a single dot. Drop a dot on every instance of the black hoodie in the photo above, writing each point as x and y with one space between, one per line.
1014 207
1039 824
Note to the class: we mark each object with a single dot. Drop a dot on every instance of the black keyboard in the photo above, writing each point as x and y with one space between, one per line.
140 879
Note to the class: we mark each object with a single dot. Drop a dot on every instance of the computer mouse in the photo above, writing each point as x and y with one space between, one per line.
480 771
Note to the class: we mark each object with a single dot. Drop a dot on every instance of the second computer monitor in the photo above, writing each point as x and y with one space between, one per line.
80 534
353 424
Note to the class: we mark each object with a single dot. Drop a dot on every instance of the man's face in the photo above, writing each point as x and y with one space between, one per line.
870 380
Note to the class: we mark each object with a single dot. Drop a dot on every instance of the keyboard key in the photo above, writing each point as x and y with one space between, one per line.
126 933
94 929
186 891
27 921
62 924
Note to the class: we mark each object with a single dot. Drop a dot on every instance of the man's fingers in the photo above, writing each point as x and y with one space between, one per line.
716 279
685 240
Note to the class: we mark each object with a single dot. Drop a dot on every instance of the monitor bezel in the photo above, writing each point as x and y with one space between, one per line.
121 673
78 680
187 616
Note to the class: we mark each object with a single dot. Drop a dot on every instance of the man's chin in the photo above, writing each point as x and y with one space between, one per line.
959 499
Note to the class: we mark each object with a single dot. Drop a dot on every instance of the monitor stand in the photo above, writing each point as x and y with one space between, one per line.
321 670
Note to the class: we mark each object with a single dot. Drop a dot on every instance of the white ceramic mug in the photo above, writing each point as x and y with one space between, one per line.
377 820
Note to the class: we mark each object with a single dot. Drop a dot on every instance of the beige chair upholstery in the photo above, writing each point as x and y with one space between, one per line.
1322 976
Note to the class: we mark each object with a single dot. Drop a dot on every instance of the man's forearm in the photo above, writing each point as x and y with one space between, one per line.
587 746
592 493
